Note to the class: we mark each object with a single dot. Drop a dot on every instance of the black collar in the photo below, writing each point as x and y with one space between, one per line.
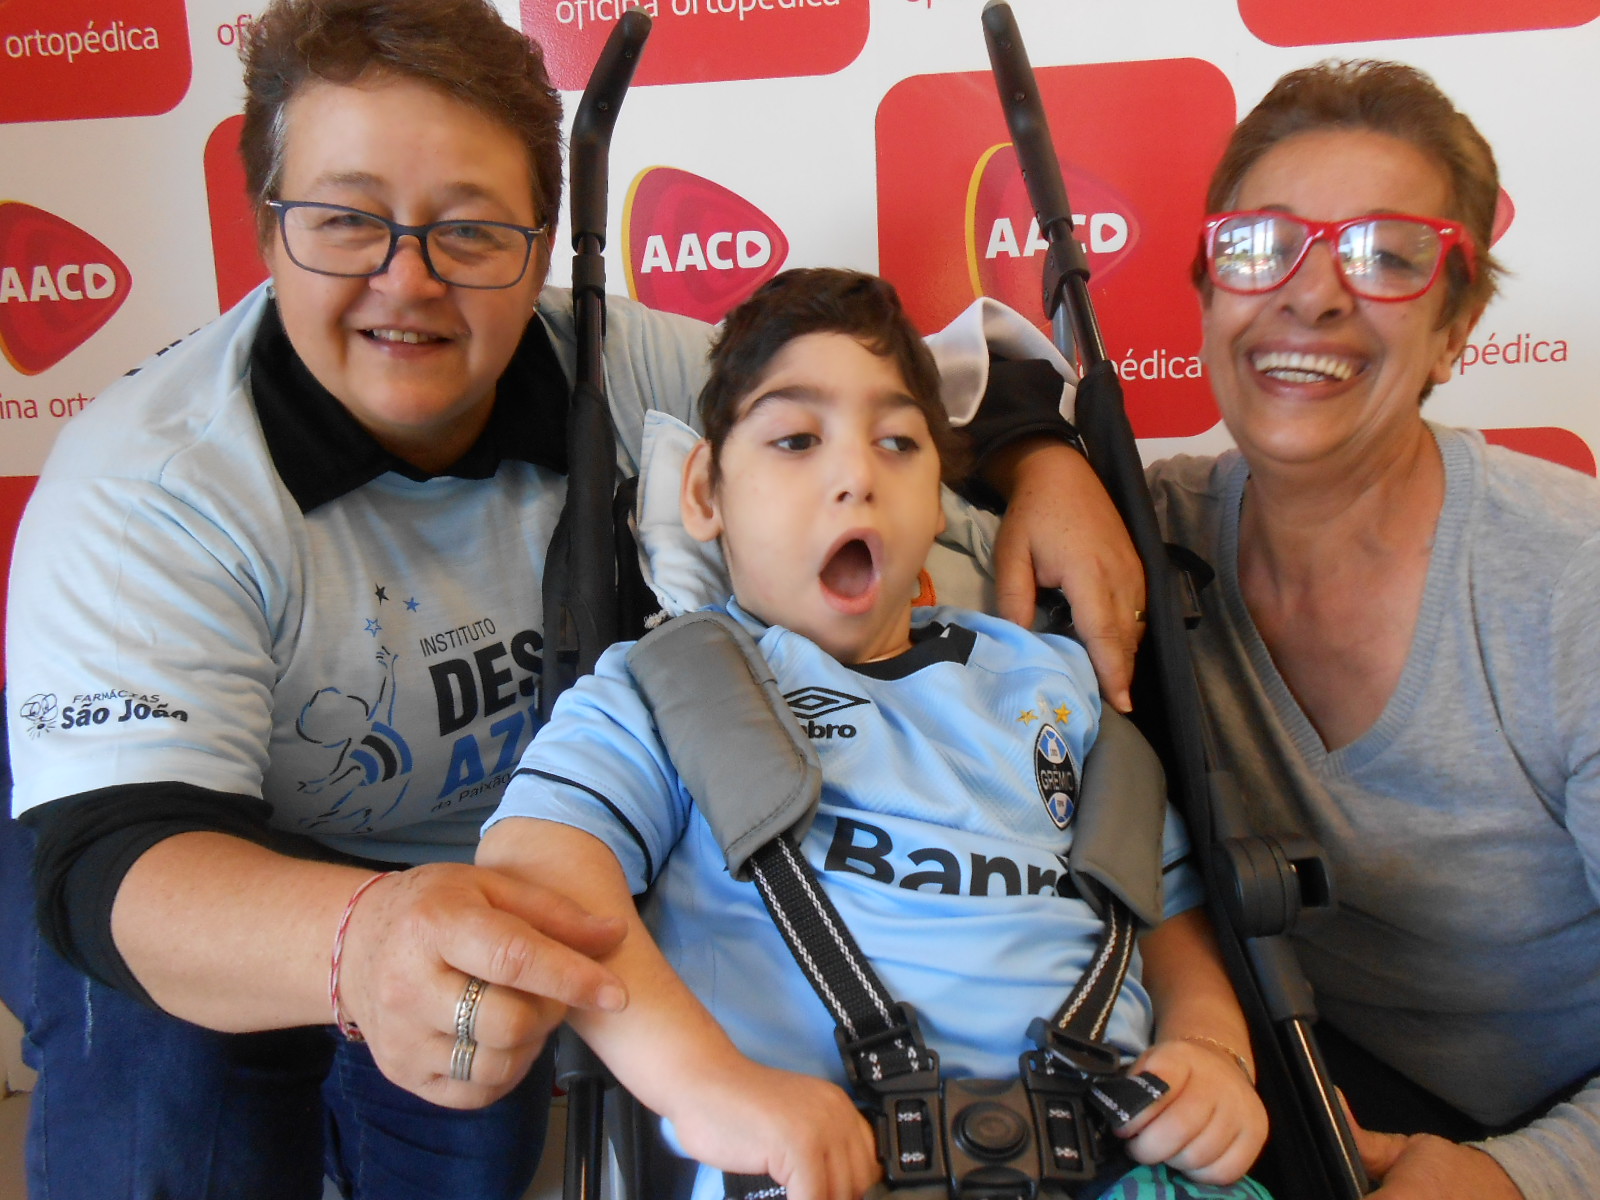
321 452
930 643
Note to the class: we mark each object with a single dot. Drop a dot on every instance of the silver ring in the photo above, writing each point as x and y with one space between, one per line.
461 1059
467 1009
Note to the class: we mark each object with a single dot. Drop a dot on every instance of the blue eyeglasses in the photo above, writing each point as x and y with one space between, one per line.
333 239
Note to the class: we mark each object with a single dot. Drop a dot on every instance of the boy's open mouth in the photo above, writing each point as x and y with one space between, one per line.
850 576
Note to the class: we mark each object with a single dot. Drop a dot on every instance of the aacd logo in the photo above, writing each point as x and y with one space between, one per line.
1004 246
73 59
1136 142
57 286
693 247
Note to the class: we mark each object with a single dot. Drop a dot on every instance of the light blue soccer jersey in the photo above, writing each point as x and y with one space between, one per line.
950 779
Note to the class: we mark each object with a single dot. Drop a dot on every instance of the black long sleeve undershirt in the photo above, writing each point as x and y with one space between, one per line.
88 842
1021 400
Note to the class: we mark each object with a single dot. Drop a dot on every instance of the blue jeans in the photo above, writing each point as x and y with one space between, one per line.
134 1103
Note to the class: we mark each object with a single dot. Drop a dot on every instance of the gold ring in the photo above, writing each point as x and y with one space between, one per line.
1138 615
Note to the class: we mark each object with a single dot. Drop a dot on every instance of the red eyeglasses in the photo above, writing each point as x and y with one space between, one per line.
1378 258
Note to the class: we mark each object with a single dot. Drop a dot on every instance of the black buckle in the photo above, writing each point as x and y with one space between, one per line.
1072 1137
907 1108
1091 1059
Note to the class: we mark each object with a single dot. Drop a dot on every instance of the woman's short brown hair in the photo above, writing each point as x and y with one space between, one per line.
821 300
462 47
1389 98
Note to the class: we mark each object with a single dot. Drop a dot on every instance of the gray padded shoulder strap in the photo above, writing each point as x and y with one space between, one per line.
1122 810
754 774
736 746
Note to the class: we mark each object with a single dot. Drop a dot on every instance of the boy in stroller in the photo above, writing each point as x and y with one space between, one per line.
951 746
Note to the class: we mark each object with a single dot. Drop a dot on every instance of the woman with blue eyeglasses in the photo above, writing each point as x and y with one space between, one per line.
1401 646
274 641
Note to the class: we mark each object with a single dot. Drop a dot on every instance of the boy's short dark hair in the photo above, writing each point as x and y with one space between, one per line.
821 300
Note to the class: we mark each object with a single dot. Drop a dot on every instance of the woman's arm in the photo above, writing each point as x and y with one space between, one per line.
233 936
1061 530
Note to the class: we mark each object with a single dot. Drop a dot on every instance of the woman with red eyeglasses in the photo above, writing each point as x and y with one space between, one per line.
1402 645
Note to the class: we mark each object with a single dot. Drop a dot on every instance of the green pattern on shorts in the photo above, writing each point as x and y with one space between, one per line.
1158 1183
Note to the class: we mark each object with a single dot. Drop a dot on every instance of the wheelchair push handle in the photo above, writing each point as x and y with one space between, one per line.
1066 276
590 144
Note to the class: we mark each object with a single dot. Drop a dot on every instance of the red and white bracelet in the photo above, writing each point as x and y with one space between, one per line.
346 1027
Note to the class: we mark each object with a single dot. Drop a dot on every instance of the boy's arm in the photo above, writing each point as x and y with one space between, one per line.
670 1052
1211 1125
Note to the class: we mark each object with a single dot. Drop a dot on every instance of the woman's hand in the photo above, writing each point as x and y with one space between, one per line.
1422 1167
756 1120
1210 1125
415 938
1061 530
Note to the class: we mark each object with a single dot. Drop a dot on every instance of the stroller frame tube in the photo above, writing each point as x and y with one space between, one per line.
1261 963
580 593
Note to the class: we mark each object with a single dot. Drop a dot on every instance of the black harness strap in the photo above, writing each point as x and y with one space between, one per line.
887 1060
756 779
875 1035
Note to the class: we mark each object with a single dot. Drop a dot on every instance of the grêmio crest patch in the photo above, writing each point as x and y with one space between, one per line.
1057 775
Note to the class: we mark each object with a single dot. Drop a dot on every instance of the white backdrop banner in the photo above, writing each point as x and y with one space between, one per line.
762 134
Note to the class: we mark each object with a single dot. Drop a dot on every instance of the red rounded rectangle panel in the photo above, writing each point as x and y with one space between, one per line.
68 60
1136 141
702 41
1296 23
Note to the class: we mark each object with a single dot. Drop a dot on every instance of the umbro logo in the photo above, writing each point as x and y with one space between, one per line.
808 703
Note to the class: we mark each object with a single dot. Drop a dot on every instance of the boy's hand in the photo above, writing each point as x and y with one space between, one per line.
1210 1125
756 1120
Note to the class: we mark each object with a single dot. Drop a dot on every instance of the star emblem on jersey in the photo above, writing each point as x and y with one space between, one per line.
1063 713
1027 716
1057 775
808 703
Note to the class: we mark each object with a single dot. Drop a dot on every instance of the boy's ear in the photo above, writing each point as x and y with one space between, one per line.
697 501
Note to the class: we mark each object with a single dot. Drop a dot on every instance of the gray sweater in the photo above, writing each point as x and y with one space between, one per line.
1464 826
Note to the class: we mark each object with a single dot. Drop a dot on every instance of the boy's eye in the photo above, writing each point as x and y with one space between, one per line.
796 441
900 443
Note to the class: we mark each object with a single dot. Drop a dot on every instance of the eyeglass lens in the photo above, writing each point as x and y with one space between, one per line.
1383 258
337 241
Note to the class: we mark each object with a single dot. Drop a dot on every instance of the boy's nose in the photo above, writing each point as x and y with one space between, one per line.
854 474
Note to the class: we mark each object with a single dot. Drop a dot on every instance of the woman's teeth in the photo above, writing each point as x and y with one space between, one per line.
1294 367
